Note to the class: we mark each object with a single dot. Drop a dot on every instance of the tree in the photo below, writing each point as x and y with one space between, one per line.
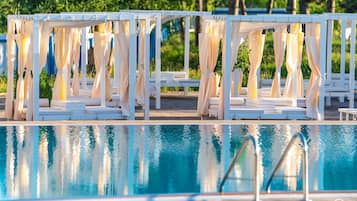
201 5
233 7
270 6
291 7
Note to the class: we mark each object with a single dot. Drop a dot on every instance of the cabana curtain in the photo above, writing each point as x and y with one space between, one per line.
23 40
139 88
101 57
256 45
209 40
279 37
10 65
293 61
123 40
63 52
312 40
76 44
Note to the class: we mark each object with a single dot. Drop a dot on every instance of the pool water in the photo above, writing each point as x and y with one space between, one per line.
116 160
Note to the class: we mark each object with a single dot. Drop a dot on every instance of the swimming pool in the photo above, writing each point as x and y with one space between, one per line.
115 160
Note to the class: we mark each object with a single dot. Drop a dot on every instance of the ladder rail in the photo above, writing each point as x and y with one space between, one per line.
250 139
304 147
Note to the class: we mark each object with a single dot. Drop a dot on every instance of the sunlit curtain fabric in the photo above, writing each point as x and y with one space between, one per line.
101 57
123 40
63 52
139 88
235 43
76 50
45 31
23 41
299 76
256 45
279 37
29 74
236 39
293 61
312 40
10 69
208 53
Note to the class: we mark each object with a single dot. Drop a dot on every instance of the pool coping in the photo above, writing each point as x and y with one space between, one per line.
317 195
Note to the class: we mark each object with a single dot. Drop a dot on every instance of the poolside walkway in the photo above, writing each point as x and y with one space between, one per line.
175 106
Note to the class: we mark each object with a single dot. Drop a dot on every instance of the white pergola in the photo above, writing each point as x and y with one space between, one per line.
275 19
341 84
163 16
83 20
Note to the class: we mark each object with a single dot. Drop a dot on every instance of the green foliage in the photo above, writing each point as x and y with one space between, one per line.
46 85
3 83
172 53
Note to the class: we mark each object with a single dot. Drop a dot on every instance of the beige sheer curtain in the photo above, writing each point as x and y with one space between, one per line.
124 41
9 105
23 40
293 61
101 57
279 37
139 88
76 46
44 40
256 45
63 52
312 40
208 54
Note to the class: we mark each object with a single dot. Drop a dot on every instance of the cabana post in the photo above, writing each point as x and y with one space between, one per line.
187 51
157 62
36 72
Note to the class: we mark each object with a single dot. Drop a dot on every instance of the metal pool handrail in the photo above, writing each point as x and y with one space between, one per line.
253 141
304 147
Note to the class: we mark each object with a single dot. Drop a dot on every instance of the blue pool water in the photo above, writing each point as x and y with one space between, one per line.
89 161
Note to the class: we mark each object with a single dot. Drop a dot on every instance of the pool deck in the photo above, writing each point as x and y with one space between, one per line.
176 107
293 196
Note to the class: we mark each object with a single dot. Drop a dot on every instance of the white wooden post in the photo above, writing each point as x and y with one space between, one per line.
329 57
84 57
352 63
36 70
187 51
158 61
132 68
323 41
116 59
343 50
147 70
226 71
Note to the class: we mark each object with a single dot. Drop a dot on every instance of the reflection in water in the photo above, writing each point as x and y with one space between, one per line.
207 169
61 161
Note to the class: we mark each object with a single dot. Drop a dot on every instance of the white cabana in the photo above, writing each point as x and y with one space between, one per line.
67 53
264 108
171 78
